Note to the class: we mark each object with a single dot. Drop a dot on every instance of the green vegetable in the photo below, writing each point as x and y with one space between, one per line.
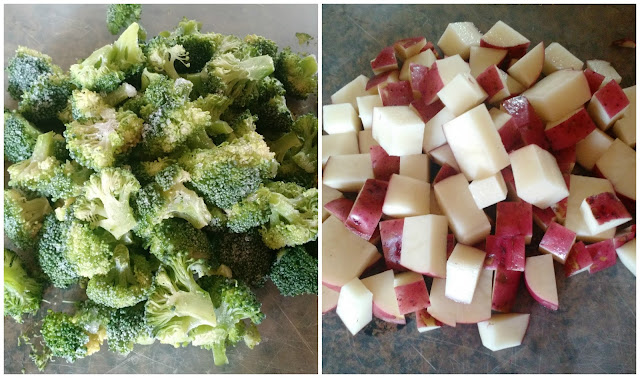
120 16
297 73
22 292
295 272
23 218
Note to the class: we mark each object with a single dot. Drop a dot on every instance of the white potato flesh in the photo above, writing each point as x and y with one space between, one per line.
463 271
557 57
483 57
339 144
354 89
480 307
627 255
329 299
365 141
443 155
329 194
605 69
581 187
415 166
340 118
625 127
458 38
462 93
424 244
618 165
528 68
589 149
488 191
503 331
558 94
442 308
433 134
355 306
381 286
347 173
540 279
425 58
398 129
365 108
406 197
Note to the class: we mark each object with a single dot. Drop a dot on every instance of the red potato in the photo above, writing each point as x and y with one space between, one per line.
367 209
397 94
432 47
624 236
385 61
543 217
383 164
603 255
339 208
391 235
514 218
503 36
566 159
464 267
560 208
480 307
424 245
494 82
507 175
482 57
508 251
603 211
408 47
627 255
528 68
445 171
607 105
557 241
618 165
411 292
382 80
540 280
569 130
425 322
510 136
329 299
458 38
427 112
355 306
451 243
375 238
594 79
427 81
527 121
503 331
579 260
385 304
505 289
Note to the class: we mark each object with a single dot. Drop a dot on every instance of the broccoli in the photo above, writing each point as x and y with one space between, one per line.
227 173
94 319
105 202
88 105
127 326
126 284
89 251
295 272
110 65
252 211
168 198
20 137
44 174
241 123
145 171
24 69
46 98
299 161
306 128
65 338
216 105
247 256
257 45
238 79
23 218
163 53
297 73
178 305
22 292
120 16
51 252
173 236
99 143
271 107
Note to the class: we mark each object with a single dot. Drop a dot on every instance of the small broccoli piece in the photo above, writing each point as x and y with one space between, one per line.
200 47
304 38
295 272
46 98
24 69
51 252
20 136
23 218
120 16
99 143
174 236
299 161
126 284
146 171
65 338
155 203
110 65
89 251
306 128
94 319
297 73
247 256
216 105
22 293
241 123
257 45
229 172
178 305
163 53
88 105
252 211
127 326
271 108
105 202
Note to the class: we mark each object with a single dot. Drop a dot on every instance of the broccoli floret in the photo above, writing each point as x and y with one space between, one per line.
155 203
229 172
273 116
295 272
174 236
89 251
23 218
94 319
110 65
24 69
44 174
126 284
46 97
22 293
127 326
51 252
120 16
257 45
88 105
297 73
247 256
200 47
252 211
306 128
20 137
241 123
146 171
99 143
163 53
299 161
65 338
216 105
178 305
105 202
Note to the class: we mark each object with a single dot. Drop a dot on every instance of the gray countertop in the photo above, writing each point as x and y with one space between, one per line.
69 32
594 330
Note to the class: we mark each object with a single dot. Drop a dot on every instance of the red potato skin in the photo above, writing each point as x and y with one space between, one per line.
629 203
381 314
558 241
603 255
543 217
508 252
430 46
380 79
566 159
385 61
383 165
451 243
332 287
527 121
612 98
445 171
490 81
391 235
624 236
607 207
340 208
505 289
426 80
549 305
412 297
426 112
507 175
397 94
409 47
594 80
514 218
367 209
579 258
510 136
571 131
513 52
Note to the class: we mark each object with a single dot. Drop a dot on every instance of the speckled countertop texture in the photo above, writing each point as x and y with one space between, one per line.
594 330
290 331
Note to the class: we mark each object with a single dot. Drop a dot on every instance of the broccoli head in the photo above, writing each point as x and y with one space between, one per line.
271 108
23 218
297 73
51 252
229 172
89 250
127 326
22 293
105 202
256 45
46 98
89 105
20 137
173 236
24 69
126 284
63 337
295 272
146 171
94 319
247 256
120 16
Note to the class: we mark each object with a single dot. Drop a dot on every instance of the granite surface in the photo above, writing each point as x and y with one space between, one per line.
290 330
594 330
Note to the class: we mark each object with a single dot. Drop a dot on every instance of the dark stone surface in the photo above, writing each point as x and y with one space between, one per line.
594 330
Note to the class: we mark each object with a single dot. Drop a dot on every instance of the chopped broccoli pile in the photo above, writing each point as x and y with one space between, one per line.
160 177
